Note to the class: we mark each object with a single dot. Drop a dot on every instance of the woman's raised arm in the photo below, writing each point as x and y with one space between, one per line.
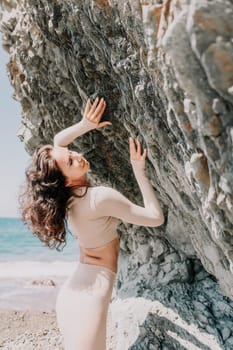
110 202
90 120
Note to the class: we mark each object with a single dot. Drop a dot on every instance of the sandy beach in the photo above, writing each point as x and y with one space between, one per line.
37 329
33 329
29 329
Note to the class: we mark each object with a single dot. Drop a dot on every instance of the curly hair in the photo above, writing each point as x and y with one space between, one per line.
45 199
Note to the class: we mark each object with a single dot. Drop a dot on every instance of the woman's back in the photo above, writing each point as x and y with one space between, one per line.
91 228
97 237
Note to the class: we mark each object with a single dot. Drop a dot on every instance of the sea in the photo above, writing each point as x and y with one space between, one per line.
24 259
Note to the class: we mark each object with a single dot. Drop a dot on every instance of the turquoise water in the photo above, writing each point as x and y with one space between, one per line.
24 259
18 243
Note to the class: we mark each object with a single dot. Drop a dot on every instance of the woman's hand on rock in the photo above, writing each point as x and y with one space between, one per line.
135 151
93 112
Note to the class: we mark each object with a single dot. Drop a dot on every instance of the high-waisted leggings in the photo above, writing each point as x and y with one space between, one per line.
82 307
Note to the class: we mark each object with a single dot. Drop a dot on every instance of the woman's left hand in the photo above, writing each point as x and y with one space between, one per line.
135 152
94 112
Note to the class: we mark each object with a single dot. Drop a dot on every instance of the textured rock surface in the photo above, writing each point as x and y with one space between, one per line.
166 71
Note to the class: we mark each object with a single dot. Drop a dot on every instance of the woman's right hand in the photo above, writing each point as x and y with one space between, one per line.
136 158
93 112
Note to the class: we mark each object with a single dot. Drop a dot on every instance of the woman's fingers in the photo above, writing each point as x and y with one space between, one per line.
144 153
94 112
100 125
139 147
91 111
87 107
99 110
132 148
135 153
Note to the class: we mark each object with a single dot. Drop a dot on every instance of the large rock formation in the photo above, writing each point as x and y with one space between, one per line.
166 71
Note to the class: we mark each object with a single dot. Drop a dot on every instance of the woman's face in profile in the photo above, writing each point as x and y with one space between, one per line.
72 164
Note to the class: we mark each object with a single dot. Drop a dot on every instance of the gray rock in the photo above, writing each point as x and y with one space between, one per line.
225 332
165 70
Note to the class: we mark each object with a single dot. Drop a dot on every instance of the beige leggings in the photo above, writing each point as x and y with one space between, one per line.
82 306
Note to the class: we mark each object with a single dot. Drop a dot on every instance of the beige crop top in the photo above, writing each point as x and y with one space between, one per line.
94 218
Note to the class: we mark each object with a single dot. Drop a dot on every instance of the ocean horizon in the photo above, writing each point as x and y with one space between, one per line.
24 259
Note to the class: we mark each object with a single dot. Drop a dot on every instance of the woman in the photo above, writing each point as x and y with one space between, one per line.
58 189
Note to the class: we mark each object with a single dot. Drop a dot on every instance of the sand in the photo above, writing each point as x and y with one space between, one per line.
33 329
29 330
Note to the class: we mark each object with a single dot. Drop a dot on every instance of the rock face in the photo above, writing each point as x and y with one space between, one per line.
165 69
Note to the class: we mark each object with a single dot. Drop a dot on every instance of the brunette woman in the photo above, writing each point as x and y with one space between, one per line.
58 190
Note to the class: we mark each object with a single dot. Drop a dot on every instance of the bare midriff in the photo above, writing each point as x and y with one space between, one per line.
106 255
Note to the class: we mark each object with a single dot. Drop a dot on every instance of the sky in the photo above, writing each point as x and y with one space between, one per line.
13 157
